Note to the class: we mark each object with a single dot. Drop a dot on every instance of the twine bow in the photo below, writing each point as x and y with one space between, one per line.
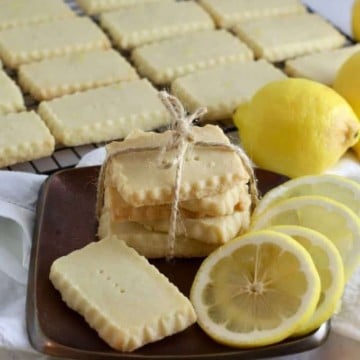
181 138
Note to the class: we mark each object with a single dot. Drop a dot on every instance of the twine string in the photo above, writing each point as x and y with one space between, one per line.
180 140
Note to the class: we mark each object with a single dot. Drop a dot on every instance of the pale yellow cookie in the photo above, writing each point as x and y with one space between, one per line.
126 300
166 60
223 88
218 205
321 67
133 27
210 230
285 37
96 6
105 113
23 137
227 13
121 211
67 74
236 198
35 42
152 244
11 99
22 12
207 171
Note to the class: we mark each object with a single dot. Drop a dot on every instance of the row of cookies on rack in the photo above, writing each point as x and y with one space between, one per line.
57 57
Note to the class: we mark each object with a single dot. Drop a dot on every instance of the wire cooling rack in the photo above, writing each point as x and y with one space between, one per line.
62 158
67 157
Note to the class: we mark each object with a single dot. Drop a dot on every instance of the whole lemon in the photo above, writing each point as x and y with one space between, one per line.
347 84
356 20
296 127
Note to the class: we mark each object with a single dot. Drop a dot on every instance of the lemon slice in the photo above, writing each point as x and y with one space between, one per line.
255 290
329 266
335 187
334 220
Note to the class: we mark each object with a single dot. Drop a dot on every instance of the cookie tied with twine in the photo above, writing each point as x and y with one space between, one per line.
180 140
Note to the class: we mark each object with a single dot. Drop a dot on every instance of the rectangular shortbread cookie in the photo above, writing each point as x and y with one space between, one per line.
67 74
223 88
133 27
227 13
207 171
23 137
11 99
96 6
218 205
321 67
120 294
22 12
105 113
285 37
166 60
210 230
35 42
152 244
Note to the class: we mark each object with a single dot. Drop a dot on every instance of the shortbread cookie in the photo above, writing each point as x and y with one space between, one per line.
124 298
152 244
11 99
211 230
166 60
229 12
284 37
67 74
321 67
96 6
35 42
223 88
133 27
22 12
105 113
23 137
236 198
207 171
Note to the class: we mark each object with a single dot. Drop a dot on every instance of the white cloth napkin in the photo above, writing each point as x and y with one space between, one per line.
18 197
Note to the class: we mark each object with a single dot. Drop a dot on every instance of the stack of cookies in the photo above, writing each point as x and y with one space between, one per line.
214 201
